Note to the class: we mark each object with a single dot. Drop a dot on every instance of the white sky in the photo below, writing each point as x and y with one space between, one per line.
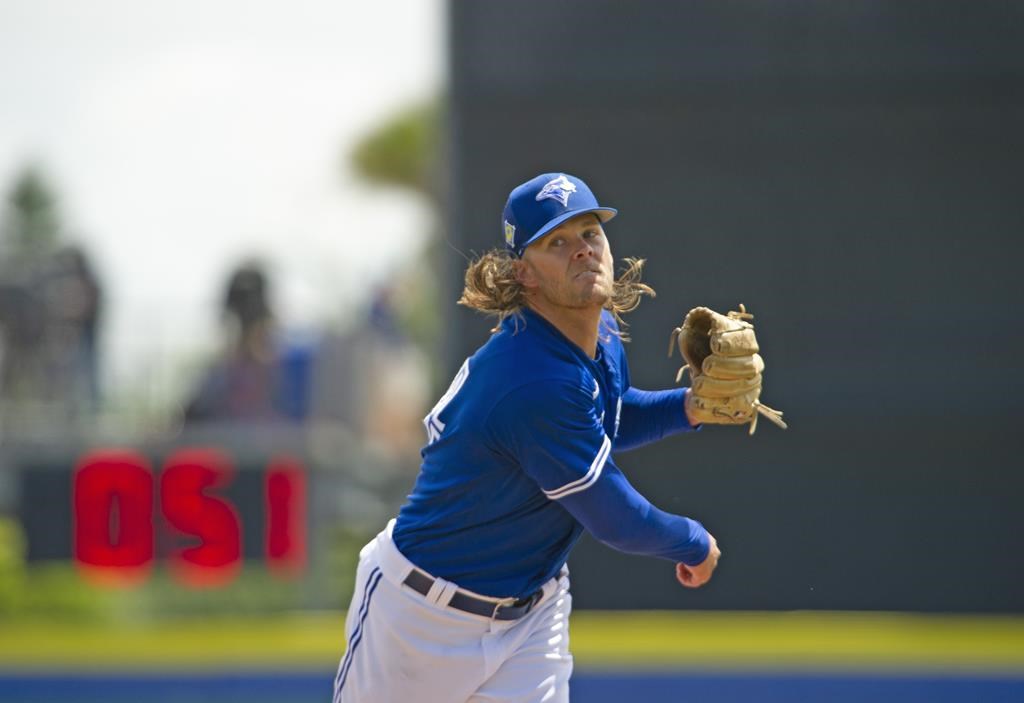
184 136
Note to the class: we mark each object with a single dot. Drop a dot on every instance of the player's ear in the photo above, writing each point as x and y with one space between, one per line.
525 273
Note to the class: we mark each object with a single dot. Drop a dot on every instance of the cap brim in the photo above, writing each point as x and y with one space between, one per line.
603 213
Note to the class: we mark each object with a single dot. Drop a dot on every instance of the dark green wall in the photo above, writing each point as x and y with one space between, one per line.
856 170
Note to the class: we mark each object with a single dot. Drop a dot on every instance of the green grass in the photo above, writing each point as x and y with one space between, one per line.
620 639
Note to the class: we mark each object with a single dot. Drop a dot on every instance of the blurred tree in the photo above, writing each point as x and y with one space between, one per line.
50 299
29 231
31 225
404 151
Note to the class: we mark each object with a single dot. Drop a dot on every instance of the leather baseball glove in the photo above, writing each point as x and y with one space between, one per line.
725 368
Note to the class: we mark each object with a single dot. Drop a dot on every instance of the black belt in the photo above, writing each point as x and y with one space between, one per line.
421 583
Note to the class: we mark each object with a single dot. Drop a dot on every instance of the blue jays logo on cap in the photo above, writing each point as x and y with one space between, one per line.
559 189
543 203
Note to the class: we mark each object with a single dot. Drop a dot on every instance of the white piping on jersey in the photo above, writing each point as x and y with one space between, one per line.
432 421
583 483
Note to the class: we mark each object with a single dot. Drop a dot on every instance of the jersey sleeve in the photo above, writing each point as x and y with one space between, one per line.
553 432
648 416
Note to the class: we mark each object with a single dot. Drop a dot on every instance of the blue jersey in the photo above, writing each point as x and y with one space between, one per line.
518 463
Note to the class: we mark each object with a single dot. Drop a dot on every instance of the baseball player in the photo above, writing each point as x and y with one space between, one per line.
465 596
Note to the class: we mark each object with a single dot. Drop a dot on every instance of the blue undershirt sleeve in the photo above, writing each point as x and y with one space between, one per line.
617 515
648 416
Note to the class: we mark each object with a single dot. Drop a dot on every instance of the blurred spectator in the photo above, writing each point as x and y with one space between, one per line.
72 301
259 377
21 340
373 379
49 325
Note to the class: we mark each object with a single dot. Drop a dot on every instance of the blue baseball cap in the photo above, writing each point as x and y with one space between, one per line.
542 203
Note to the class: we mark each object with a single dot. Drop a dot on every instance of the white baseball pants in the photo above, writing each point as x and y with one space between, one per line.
406 647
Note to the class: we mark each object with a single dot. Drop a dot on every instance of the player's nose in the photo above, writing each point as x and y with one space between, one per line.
584 249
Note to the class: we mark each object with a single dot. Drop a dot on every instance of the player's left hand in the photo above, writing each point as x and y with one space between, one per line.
697 576
725 369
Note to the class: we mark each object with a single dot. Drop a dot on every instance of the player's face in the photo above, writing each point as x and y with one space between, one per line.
572 266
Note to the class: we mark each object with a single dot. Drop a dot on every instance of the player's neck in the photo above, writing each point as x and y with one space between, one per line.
579 325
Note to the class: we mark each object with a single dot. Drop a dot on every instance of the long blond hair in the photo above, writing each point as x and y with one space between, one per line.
493 288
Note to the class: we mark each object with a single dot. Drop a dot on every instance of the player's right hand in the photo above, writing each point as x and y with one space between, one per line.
696 576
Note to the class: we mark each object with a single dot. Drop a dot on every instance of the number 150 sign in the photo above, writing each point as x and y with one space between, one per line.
115 497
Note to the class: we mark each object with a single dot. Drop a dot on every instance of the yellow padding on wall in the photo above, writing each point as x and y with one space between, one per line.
797 641
800 640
